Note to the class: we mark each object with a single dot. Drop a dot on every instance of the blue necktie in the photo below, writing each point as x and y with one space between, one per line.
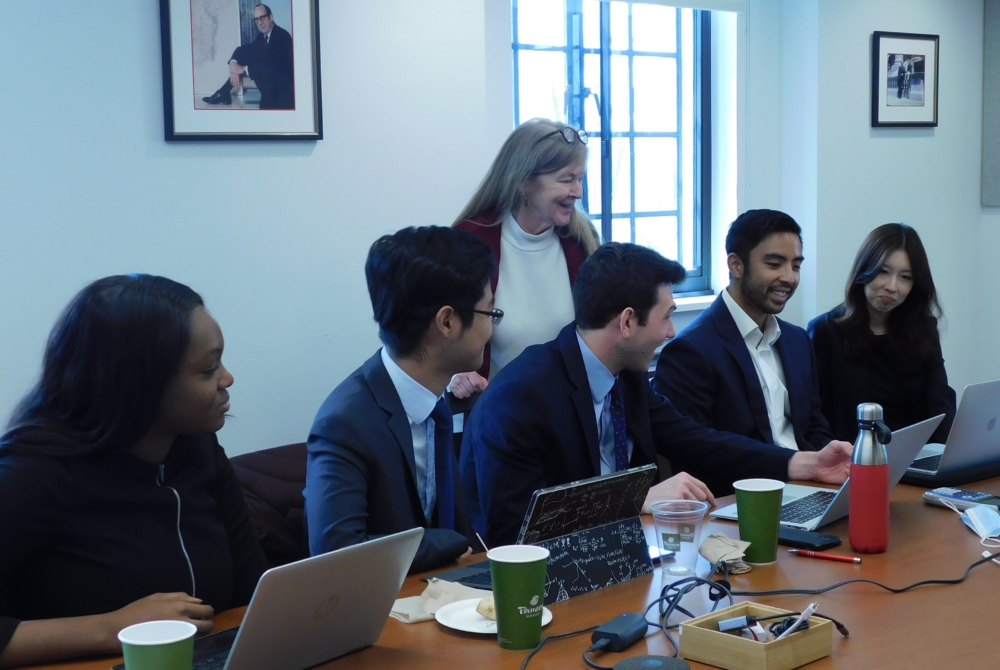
442 465
618 423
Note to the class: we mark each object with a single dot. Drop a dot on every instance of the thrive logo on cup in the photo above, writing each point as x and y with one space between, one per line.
533 611
518 573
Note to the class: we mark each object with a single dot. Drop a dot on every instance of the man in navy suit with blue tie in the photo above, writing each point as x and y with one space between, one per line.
738 367
380 453
581 406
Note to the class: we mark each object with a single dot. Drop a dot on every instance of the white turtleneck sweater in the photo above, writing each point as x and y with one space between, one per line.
532 290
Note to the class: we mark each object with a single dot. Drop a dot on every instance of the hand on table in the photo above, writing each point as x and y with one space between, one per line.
679 487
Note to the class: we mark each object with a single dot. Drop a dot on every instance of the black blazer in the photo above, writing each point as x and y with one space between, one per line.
534 426
708 374
360 472
845 382
271 68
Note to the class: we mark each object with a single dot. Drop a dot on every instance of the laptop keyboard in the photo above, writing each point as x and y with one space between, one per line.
810 507
478 580
212 662
928 463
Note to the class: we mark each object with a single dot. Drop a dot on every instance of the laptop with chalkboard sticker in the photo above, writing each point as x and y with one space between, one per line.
597 507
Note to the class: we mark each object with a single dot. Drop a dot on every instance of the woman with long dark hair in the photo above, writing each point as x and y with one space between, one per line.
117 504
882 343
526 210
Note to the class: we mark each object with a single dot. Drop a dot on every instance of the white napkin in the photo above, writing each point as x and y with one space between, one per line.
437 594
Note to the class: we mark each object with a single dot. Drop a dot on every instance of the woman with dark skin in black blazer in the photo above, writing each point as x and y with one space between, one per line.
882 343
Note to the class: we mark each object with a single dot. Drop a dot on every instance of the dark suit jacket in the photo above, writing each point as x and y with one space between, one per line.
271 68
708 374
534 426
845 382
360 480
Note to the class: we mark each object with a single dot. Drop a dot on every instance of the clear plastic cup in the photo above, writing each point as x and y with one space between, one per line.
678 529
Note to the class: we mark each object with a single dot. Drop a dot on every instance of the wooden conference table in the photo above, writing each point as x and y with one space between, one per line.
929 627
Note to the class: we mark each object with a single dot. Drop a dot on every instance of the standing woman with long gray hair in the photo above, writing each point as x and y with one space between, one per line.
882 343
526 210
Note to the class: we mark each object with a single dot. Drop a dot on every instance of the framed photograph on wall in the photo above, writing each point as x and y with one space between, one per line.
241 70
904 79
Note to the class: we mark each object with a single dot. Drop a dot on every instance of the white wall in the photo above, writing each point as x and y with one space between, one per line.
416 102
273 235
812 152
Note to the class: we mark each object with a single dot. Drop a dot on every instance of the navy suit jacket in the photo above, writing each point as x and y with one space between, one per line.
534 426
360 481
708 374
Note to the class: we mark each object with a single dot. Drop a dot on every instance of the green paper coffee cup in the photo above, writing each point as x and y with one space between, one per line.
158 645
758 506
518 573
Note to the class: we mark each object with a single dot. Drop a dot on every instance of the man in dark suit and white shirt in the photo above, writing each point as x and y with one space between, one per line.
380 453
268 60
581 406
737 367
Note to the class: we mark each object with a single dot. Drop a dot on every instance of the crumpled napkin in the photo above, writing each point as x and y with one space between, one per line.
437 594
719 547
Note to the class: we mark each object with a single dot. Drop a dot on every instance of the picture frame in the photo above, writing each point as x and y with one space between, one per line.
904 80
241 70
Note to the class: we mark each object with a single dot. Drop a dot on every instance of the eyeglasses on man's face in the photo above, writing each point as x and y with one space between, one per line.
258 19
569 134
496 315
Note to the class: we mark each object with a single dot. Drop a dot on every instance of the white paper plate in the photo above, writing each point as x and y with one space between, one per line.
462 615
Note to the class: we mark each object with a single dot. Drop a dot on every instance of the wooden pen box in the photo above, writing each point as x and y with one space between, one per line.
701 641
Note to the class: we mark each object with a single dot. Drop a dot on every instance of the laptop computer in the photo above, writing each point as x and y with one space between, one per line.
314 610
811 507
972 451
567 508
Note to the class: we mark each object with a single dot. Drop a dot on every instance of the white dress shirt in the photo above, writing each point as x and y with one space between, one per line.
601 380
770 372
418 403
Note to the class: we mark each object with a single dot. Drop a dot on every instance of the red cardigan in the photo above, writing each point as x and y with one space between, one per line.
489 232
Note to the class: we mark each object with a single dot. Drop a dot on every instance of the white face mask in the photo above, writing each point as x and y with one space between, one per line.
984 521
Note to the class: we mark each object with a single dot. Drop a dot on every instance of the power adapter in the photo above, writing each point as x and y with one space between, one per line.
621 632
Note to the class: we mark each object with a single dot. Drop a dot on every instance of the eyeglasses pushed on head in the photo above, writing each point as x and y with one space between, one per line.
569 134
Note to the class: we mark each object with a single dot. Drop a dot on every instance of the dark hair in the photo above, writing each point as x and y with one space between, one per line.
912 327
620 275
265 7
107 363
415 272
753 226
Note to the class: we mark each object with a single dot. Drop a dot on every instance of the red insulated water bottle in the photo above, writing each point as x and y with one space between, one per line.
869 516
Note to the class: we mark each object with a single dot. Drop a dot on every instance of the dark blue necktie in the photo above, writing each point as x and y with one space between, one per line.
618 423
442 465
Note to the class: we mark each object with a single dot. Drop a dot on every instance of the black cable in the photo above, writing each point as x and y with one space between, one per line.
672 595
597 646
553 637
890 589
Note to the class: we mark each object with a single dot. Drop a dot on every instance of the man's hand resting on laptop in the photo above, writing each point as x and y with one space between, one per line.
831 464
678 487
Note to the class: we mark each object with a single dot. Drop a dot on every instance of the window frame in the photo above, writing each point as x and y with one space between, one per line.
698 281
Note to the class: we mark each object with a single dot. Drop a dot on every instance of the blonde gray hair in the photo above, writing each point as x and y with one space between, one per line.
525 154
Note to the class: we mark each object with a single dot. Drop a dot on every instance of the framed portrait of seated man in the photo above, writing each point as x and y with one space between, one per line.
241 70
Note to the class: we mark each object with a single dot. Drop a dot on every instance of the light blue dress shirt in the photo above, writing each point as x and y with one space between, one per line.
601 380
418 403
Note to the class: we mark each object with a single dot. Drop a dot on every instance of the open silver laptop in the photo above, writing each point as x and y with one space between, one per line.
316 609
972 451
810 507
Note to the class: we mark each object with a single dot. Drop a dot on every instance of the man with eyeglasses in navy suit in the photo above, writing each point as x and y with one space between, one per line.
380 452
268 60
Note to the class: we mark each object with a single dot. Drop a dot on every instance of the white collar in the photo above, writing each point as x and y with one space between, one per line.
749 330
418 402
